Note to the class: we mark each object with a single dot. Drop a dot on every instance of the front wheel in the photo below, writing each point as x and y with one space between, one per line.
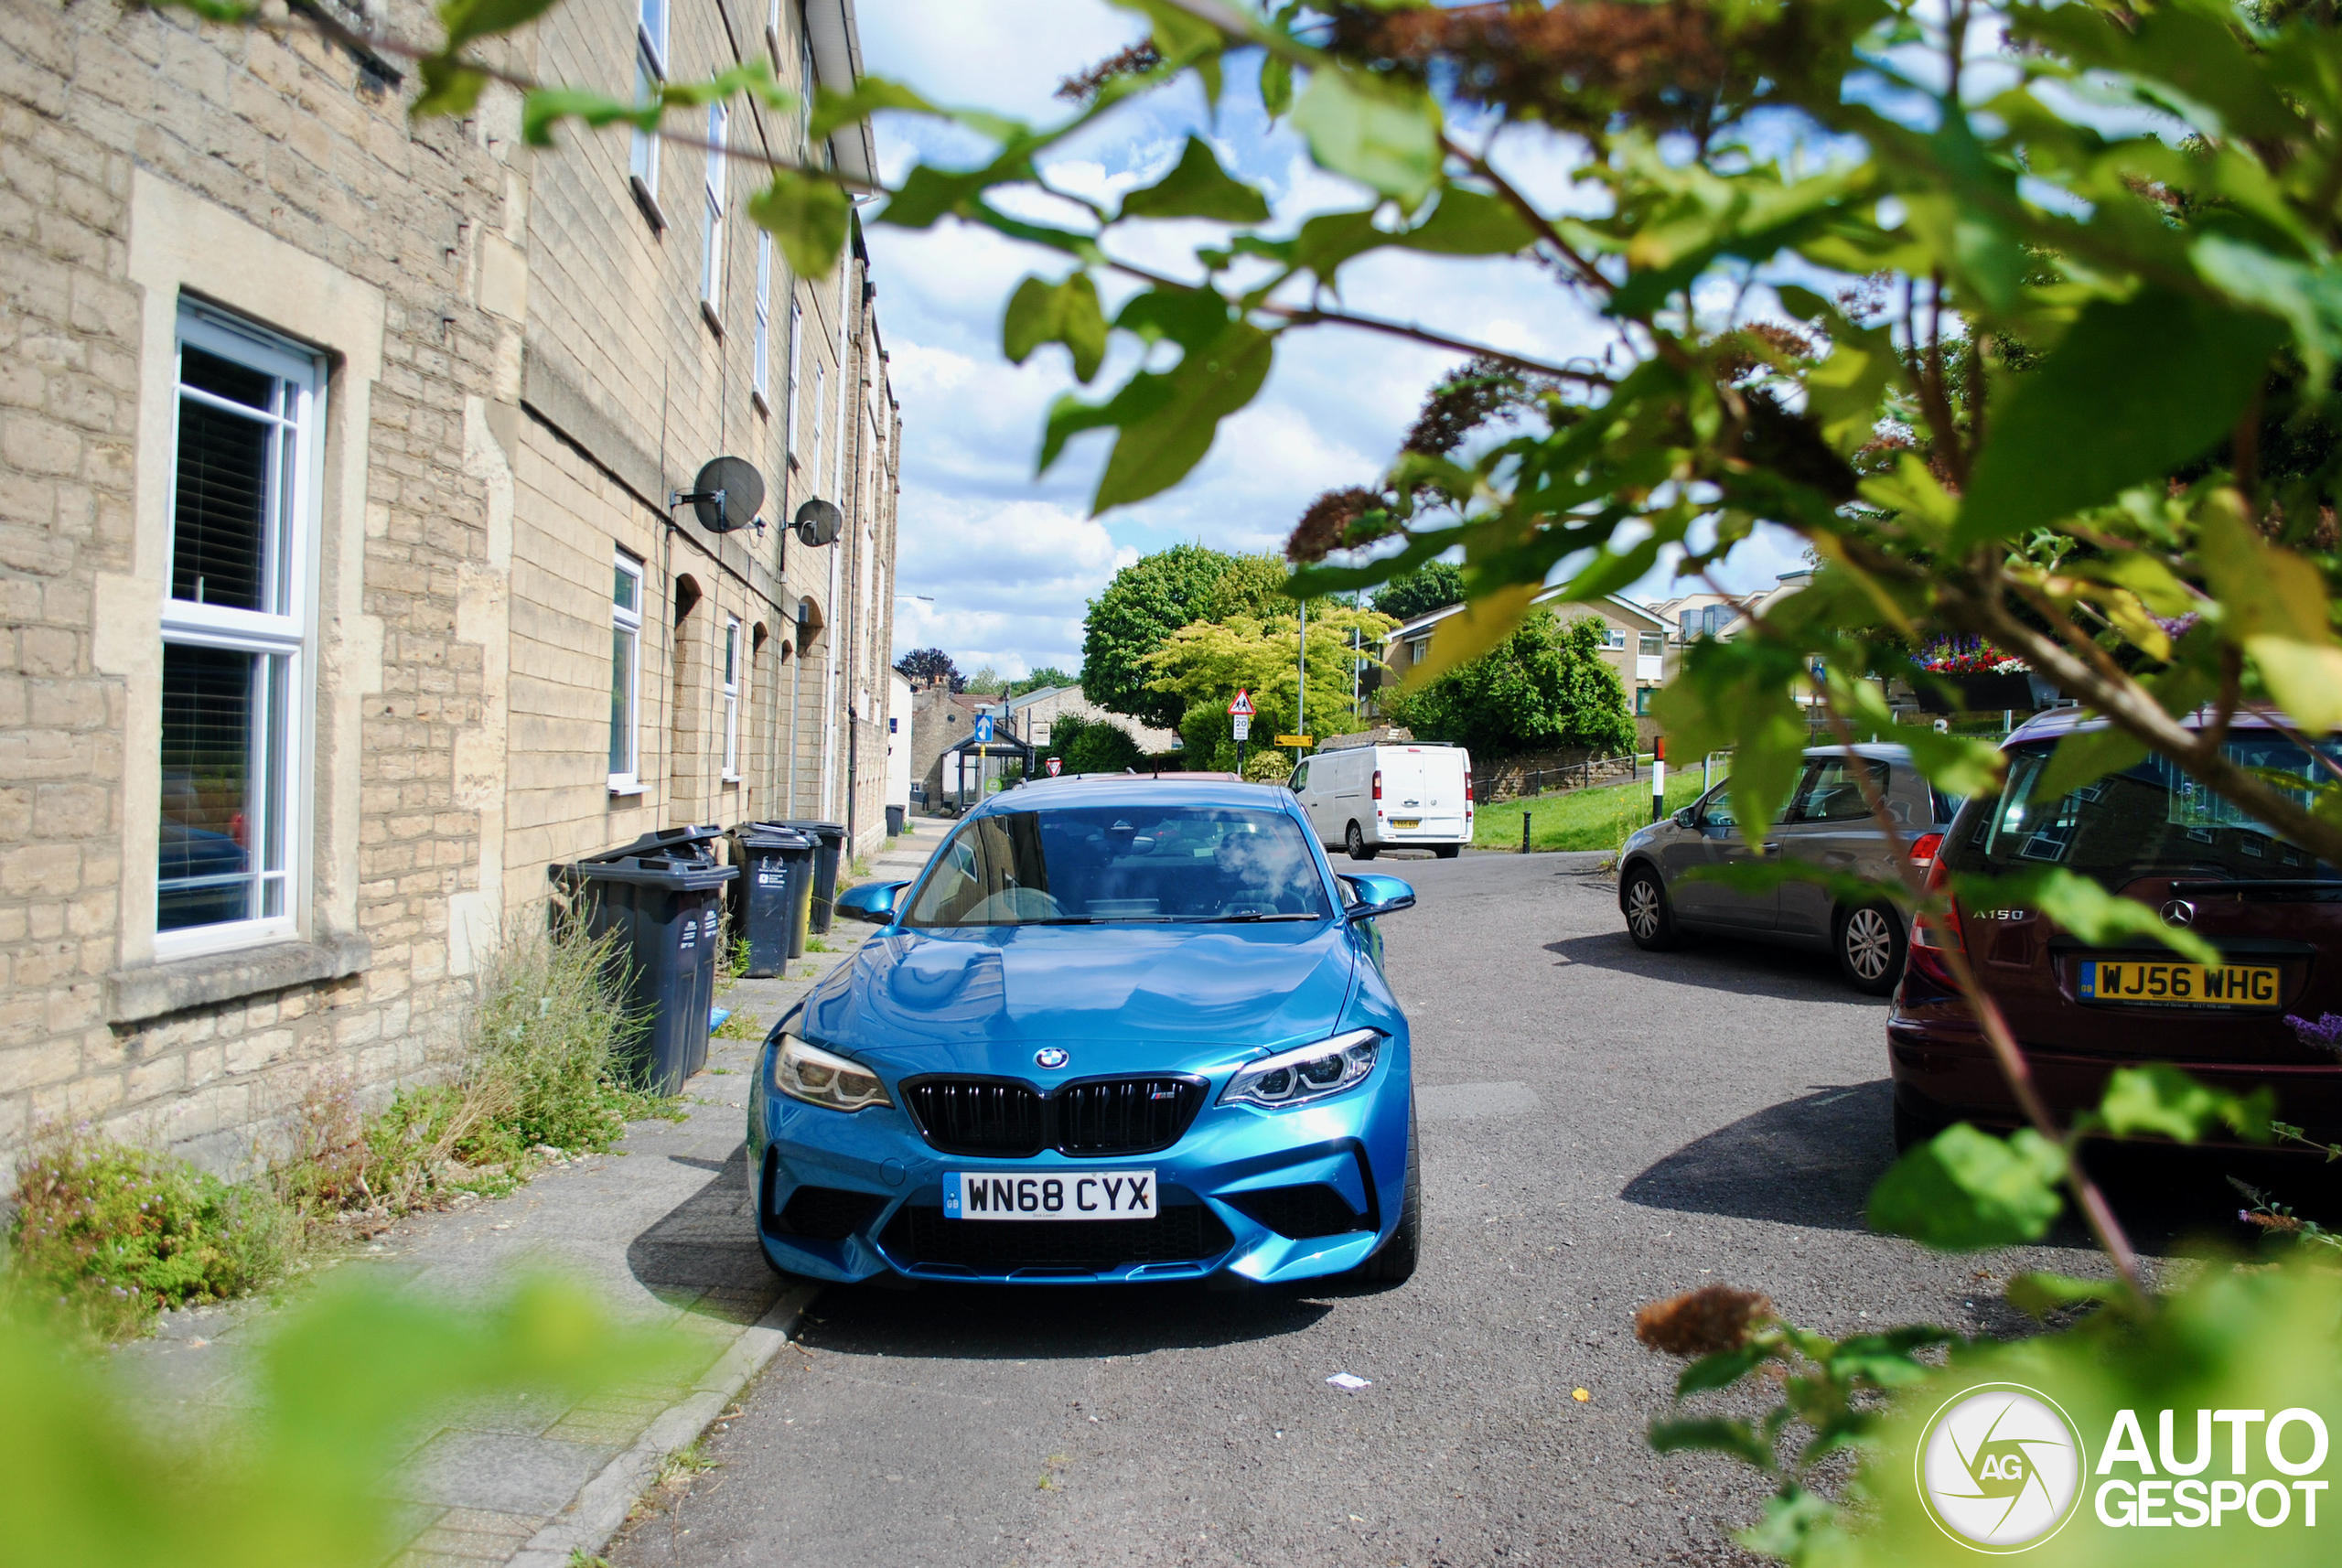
1650 921
1394 1261
1870 948
1355 842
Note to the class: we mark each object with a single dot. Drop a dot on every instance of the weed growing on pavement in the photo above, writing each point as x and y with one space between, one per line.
109 1235
740 1025
817 944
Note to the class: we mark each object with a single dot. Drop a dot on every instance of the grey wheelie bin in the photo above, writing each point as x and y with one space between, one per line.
666 911
832 839
774 895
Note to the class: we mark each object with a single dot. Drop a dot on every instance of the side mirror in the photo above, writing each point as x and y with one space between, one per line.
1378 895
1684 818
873 902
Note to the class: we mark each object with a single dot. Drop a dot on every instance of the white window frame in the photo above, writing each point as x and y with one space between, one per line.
821 393
760 373
280 636
732 699
795 353
711 268
650 77
628 780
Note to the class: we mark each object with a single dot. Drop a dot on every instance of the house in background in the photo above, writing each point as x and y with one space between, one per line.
1637 646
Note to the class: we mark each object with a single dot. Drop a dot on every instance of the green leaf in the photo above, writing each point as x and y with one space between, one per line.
1736 695
447 89
1157 450
2084 757
1176 34
2042 1293
2308 300
2274 604
1466 224
546 107
1276 84
1719 1371
2082 906
833 109
1190 317
467 20
1761 877
1794 1521
1963 1190
1382 133
2159 1098
1198 187
1957 765
1844 390
807 215
1715 1434
1065 313
2137 388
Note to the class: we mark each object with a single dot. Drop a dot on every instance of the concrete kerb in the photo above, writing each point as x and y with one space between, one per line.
602 1505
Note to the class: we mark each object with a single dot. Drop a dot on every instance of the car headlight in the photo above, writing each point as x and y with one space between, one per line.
1305 1073
816 1077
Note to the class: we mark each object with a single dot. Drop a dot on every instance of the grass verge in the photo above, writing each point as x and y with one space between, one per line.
1583 819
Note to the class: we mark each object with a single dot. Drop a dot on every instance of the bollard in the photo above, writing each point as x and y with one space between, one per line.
1524 833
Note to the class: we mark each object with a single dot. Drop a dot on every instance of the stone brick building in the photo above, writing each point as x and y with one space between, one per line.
341 591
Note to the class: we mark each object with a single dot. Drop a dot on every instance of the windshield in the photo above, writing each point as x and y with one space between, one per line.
1082 865
2148 819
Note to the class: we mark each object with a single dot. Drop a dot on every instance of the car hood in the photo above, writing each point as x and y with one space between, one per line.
980 1000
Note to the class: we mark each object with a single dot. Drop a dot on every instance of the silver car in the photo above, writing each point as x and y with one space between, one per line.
1826 821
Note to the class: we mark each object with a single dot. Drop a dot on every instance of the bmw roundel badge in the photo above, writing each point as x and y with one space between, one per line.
1051 1056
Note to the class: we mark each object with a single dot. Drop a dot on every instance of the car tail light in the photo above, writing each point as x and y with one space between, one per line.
1468 795
1935 934
1378 791
1924 849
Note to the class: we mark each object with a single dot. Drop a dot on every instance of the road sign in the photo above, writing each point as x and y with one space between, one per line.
1242 708
983 729
1296 740
1056 765
1243 727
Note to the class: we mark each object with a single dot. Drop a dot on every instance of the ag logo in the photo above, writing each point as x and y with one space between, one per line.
2000 1467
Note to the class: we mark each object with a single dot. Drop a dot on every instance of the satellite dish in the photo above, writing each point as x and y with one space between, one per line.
819 523
727 494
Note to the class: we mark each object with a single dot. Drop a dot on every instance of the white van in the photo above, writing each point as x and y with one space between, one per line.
1368 799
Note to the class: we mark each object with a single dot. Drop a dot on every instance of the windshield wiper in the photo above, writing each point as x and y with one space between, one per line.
1223 920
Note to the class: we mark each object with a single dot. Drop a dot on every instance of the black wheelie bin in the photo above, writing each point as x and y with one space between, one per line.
774 896
666 911
831 837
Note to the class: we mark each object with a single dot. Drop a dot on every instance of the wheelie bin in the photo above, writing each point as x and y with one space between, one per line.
665 912
774 896
832 839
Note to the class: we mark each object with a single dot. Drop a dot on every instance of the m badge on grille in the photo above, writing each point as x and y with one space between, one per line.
1051 1056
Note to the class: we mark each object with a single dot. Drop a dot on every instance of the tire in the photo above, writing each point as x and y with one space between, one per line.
1912 1129
1650 921
1355 842
1869 941
1393 1263
1446 850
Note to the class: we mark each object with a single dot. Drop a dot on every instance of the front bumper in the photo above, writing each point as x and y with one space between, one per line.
849 1197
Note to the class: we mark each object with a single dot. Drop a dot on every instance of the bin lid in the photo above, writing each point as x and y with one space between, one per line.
684 842
764 835
804 826
659 871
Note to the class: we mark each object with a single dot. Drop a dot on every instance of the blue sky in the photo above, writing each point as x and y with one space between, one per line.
1010 559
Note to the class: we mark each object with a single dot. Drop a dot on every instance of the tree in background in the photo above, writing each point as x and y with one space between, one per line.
1251 586
1041 680
925 666
986 681
1434 587
1091 746
1546 685
1202 666
1148 600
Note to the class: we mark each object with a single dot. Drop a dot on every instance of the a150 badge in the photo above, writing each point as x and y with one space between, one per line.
2001 1468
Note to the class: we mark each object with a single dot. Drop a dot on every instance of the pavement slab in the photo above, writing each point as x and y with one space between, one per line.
660 1226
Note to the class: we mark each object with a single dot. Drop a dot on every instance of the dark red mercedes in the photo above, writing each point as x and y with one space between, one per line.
2273 911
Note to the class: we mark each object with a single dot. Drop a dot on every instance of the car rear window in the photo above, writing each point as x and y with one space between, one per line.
1096 865
2146 820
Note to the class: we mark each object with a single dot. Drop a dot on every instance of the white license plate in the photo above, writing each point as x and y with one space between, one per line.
1057 1195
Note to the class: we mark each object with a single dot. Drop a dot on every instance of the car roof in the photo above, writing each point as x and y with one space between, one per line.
1139 789
2058 722
1876 750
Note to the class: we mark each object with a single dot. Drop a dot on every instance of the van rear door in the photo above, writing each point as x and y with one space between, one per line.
1422 793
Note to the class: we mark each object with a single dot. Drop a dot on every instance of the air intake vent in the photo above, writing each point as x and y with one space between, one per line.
923 1238
1314 1209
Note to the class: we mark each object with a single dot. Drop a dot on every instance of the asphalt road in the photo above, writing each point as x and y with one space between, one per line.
1601 1127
